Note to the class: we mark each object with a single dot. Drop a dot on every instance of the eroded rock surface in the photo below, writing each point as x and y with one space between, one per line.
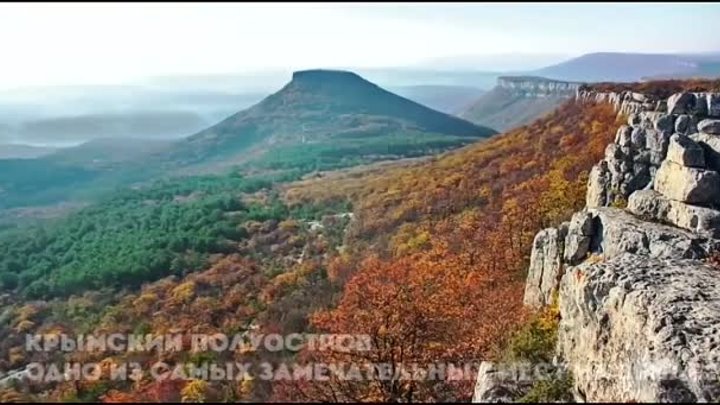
639 303
636 328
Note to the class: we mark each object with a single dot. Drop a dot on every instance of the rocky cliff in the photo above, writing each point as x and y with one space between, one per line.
518 100
533 86
634 272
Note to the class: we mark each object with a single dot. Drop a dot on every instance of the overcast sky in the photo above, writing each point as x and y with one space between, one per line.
118 43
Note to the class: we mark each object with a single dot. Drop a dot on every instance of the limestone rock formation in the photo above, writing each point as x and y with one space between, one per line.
642 329
497 383
688 184
544 272
577 241
654 206
639 303
686 152
710 127
680 103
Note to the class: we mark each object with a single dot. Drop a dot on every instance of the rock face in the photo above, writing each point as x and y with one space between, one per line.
534 86
579 236
642 329
684 151
652 205
496 383
688 184
639 303
711 127
544 272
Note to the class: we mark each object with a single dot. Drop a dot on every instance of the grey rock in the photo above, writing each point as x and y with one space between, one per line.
713 103
710 127
637 138
651 205
711 146
700 107
618 232
545 267
680 103
502 383
684 151
682 124
577 241
634 120
657 143
664 123
623 136
598 184
688 184
635 328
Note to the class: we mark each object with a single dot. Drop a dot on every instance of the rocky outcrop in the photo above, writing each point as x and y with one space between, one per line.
544 273
498 383
688 184
637 328
653 206
533 86
639 303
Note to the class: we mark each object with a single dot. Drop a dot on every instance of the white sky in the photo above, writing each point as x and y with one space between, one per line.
98 43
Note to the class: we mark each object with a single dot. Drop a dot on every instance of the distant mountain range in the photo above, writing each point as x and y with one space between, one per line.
630 67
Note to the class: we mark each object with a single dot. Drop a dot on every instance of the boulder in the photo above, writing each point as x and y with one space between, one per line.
623 136
700 107
713 103
657 143
618 232
710 127
688 184
640 329
637 138
545 267
598 184
685 124
577 241
680 103
500 383
711 146
684 151
651 205
634 120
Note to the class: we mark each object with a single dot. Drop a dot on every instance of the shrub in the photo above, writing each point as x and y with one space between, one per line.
535 341
555 389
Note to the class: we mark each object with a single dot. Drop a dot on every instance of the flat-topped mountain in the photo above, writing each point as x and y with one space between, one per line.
320 120
327 109
518 100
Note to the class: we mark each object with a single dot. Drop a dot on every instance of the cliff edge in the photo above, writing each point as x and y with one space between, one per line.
634 273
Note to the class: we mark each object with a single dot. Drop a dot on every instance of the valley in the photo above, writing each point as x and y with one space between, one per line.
462 203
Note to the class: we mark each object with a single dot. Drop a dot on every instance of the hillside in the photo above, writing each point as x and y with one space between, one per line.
105 152
240 255
321 120
403 253
518 100
630 67
325 119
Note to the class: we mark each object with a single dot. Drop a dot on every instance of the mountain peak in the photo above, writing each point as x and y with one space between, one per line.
317 79
313 75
